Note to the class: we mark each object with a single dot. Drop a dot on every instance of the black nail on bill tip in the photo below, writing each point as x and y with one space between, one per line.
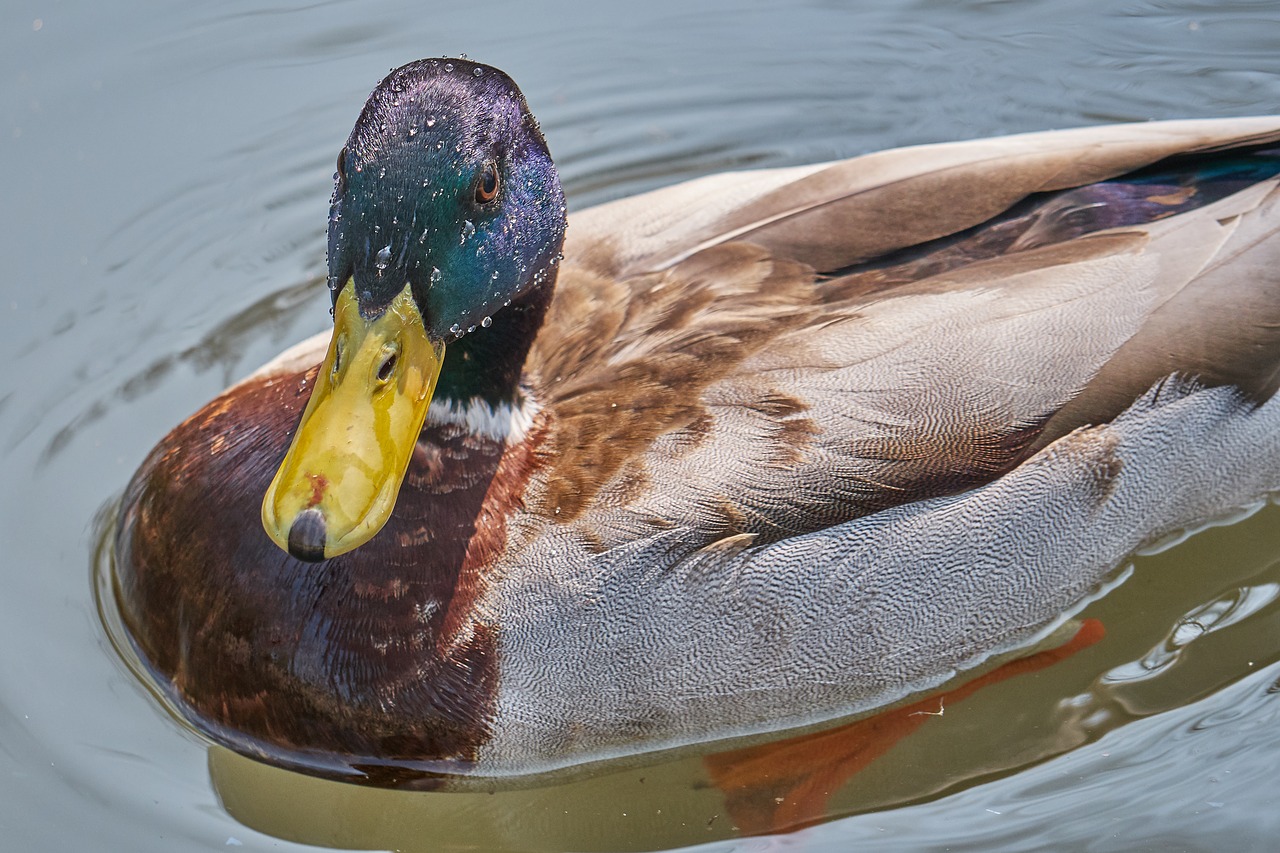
306 536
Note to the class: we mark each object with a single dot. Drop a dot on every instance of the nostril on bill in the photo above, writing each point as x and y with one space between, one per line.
307 535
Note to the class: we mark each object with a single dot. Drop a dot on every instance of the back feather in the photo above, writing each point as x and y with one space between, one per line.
823 342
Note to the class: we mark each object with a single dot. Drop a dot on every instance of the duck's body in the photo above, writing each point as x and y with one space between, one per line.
789 445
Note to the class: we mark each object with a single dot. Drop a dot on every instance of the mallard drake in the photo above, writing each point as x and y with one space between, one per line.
752 452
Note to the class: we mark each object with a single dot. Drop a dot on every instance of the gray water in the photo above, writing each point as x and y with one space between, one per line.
166 173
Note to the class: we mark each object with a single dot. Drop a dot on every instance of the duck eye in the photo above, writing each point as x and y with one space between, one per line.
487 185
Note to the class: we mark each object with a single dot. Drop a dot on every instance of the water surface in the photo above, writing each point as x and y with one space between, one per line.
166 187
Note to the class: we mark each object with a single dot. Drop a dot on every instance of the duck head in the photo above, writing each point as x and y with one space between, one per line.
446 209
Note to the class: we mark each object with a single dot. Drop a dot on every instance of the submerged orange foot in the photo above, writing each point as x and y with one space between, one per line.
785 785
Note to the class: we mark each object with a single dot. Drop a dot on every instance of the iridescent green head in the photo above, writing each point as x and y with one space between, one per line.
445 185
446 209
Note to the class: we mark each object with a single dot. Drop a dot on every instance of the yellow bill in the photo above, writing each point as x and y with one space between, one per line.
339 481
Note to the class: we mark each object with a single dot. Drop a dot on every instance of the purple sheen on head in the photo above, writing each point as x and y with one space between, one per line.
406 205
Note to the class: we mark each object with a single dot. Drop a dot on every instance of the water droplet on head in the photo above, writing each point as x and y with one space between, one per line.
486 322
478 72
468 229
435 275
383 258
494 276
455 330
413 131
470 329
439 144
431 121
448 66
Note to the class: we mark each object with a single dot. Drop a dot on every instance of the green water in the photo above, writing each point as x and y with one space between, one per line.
166 183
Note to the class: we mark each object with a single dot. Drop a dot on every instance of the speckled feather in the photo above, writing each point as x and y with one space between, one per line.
742 391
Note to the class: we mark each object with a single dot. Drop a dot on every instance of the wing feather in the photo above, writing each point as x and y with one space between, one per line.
703 370
834 215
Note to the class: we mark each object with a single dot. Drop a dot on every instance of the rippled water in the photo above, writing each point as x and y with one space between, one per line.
166 182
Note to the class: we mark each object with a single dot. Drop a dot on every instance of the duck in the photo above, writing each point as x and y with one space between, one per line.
754 452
